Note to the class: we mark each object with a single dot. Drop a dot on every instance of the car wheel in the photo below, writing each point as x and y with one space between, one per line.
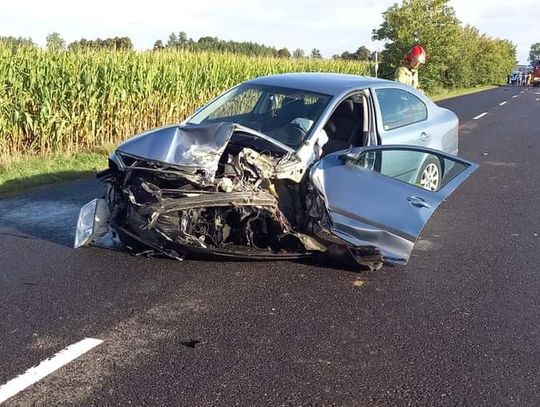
430 175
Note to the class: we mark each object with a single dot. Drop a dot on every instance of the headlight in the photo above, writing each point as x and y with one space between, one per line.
92 223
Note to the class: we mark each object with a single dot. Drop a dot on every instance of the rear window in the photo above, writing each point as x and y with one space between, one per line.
400 108
418 108
395 108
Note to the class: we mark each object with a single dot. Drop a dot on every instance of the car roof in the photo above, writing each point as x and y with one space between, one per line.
327 83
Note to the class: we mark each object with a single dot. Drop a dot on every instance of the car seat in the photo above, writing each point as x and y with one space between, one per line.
343 126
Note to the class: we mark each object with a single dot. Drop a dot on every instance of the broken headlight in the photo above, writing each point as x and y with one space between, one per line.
92 223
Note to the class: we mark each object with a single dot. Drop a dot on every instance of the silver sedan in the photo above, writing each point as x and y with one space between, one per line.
285 166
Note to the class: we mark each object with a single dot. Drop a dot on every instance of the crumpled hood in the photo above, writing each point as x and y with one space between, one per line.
199 146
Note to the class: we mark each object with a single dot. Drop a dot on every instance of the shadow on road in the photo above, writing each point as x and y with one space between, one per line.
23 185
49 212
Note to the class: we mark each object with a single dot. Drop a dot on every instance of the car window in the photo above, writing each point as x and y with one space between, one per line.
426 171
418 108
285 114
395 108
400 108
243 103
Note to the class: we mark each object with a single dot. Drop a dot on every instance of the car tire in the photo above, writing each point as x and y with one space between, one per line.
430 175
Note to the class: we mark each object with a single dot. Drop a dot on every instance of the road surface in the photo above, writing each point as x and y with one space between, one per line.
459 325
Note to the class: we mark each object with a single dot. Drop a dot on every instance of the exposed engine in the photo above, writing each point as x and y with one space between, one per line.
240 208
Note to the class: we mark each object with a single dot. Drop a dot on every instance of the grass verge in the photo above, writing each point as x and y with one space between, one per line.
441 94
17 175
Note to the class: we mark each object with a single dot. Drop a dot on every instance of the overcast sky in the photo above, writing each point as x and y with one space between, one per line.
331 26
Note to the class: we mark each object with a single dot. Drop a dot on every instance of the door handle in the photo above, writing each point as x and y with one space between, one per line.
424 136
418 202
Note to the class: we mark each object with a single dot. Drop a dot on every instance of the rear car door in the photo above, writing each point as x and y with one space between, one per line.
373 203
402 118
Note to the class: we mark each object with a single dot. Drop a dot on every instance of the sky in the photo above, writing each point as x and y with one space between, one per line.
331 26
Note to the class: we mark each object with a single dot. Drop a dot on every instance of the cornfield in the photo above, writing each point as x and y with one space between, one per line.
78 101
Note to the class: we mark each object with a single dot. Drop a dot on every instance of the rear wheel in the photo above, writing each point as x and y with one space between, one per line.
430 175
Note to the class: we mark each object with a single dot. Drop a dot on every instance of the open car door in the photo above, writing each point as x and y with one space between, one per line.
382 196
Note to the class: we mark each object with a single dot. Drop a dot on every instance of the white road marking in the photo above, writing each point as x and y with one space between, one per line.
46 367
479 116
515 96
502 103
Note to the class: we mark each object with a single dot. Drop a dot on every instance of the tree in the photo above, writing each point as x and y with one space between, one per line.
315 53
456 55
363 53
172 42
283 53
158 45
122 43
298 53
431 23
182 38
534 53
55 42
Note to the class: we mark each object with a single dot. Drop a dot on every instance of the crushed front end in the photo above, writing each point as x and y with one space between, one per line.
203 191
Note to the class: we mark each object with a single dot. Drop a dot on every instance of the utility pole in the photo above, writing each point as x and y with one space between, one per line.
376 55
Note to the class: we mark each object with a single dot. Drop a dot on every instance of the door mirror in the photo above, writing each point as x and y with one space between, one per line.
368 160
429 171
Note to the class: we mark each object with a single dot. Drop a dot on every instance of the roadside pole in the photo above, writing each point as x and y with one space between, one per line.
376 58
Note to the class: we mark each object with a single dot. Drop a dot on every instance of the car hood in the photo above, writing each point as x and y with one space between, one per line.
186 146
189 146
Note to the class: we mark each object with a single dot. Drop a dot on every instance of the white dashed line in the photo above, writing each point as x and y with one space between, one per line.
515 96
479 116
45 368
502 103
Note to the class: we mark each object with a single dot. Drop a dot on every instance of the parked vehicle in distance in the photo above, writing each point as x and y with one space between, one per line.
535 79
285 166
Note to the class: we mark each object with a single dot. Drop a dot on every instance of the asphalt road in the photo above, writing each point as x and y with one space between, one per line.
459 325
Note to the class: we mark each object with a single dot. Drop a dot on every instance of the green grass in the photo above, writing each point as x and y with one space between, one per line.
441 94
21 175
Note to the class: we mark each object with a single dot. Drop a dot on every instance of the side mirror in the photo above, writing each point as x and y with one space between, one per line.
349 158
366 160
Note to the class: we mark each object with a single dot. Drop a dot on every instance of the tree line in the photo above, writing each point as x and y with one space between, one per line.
56 43
181 41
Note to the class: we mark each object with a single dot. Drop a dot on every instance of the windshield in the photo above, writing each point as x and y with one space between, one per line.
285 114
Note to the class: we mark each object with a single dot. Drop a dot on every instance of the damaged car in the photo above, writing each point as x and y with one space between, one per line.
284 167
